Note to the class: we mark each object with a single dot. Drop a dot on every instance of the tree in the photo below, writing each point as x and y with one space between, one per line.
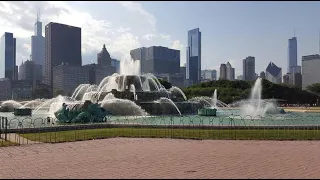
229 90
314 88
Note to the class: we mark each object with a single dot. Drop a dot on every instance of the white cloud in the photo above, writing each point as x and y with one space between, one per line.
176 44
125 43
148 36
136 7
165 36
19 17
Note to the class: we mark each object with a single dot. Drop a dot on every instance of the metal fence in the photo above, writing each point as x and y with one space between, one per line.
19 131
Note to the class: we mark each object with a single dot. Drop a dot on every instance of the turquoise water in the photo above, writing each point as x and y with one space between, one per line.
223 118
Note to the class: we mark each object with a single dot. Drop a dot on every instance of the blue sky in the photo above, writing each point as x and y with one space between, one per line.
231 31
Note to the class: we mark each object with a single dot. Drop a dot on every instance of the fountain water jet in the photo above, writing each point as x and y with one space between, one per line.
163 100
8 106
214 99
255 106
123 107
174 88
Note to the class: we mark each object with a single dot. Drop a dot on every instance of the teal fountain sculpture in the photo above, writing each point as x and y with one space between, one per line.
81 113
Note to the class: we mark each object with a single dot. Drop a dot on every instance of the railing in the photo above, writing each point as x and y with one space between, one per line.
19 131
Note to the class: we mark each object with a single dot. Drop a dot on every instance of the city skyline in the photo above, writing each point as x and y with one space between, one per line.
231 30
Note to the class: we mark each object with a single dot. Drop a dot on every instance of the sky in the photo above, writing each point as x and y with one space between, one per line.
231 31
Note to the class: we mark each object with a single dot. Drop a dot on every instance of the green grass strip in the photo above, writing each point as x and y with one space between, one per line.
233 134
4 143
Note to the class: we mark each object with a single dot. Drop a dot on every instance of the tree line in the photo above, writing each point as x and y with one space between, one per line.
229 91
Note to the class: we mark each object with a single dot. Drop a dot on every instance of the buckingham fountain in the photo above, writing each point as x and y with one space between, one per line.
130 93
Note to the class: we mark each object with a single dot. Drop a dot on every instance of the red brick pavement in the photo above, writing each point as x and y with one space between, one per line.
163 158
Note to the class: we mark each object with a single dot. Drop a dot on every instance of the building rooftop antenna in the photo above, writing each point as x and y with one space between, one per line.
38 15
294 32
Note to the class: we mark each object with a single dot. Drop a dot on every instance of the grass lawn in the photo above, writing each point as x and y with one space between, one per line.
234 134
4 143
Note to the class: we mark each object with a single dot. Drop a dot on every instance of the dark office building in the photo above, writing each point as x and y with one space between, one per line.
103 57
262 74
67 78
97 72
8 67
62 46
223 71
248 66
116 63
183 71
28 70
21 89
157 59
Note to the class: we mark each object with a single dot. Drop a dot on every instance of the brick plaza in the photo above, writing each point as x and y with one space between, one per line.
162 158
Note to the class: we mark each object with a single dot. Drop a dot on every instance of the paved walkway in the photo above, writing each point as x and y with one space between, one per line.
162 158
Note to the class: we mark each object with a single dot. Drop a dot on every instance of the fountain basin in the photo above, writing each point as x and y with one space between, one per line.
22 111
166 108
207 112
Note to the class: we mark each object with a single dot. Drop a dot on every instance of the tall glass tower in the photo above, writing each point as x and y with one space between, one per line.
38 44
8 56
292 54
193 68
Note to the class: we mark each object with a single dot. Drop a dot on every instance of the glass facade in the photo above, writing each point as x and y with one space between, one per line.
7 56
193 67
249 73
292 54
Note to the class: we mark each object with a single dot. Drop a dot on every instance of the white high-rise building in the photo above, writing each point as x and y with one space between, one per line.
209 74
310 70
38 44
230 72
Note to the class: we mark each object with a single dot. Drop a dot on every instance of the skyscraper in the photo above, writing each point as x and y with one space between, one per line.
103 57
193 67
157 59
262 74
292 54
37 45
67 78
230 72
274 73
223 71
8 67
310 70
248 66
209 74
62 45
28 70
